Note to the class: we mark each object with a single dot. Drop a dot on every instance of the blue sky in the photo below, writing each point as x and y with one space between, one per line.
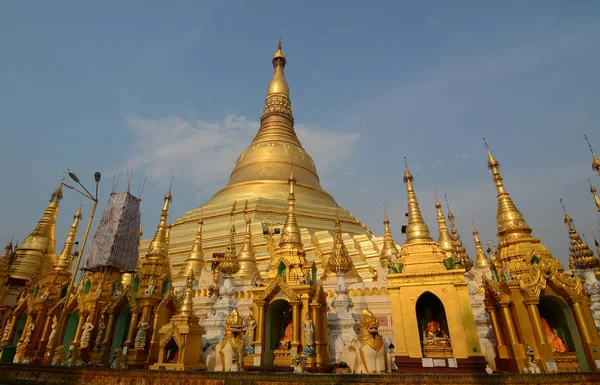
106 85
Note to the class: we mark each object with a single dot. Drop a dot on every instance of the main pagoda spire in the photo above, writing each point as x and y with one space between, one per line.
275 146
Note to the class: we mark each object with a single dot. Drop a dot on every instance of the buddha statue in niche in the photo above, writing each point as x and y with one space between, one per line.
434 335
557 344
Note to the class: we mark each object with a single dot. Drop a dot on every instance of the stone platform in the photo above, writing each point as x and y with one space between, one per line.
13 374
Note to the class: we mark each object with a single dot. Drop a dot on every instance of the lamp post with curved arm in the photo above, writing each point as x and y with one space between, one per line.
63 313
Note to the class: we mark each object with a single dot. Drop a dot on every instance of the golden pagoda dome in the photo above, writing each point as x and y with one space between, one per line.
263 167
260 177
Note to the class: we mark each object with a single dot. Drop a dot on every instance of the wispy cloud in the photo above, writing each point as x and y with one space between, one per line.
202 152
467 154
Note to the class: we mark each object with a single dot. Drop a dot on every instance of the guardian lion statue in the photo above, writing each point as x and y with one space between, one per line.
231 348
369 355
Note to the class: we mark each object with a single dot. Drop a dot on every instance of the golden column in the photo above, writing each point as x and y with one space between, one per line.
132 327
534 314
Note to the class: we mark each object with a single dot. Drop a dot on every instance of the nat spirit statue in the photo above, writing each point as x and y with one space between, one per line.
370 355
140 337
86 335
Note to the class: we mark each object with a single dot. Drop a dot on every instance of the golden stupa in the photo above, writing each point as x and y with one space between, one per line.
259 186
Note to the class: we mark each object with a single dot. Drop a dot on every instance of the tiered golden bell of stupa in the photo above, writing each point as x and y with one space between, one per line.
187 305
339 262
246 257
230 264
389 251
580 255
195 261
38 248
461 253
596 198
416 229
64 260
155 266
4 265
513 232
481 259
595 159
444 239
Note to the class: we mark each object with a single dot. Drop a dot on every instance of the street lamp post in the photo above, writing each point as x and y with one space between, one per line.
63 313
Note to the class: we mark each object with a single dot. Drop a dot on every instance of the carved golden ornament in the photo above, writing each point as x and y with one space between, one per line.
492 289
275 283
570 284
580 255
339 261
175 333
533 282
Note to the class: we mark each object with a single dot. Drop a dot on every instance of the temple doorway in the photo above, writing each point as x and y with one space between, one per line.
278 329
433 326
561 330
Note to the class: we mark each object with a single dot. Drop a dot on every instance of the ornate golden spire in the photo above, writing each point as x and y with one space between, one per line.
595 160
339 261
278 84
159 245
511 223
38 248
290 236
195 260
389 252
593 191
444 240
416 229
459 249
273 149
187 306
246 256
481 259
230 264
65 259
580 255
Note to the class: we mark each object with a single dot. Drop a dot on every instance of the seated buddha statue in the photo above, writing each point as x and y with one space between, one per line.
287 336
434 335
555 341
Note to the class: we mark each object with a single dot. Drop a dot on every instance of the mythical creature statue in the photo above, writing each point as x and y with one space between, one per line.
232 343
73 357
117 361
370 355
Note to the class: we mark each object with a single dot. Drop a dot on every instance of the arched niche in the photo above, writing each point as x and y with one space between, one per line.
429 308
20 327
558 315
279 315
